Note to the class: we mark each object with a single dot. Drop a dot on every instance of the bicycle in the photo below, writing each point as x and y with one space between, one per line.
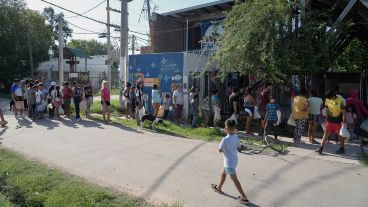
267 141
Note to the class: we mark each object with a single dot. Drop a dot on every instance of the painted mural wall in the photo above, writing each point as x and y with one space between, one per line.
162 69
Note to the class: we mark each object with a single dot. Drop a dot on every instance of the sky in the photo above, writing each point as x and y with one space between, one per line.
134 8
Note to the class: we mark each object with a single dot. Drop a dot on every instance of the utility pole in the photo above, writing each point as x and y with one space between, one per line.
123 73
133 44
29 38
149 12
108 45
61 53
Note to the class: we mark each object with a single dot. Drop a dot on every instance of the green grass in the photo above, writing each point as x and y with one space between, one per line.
364 159
28 183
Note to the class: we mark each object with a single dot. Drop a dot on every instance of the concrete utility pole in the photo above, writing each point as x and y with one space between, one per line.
29 39
149 12
133 44
124 73
108 45
61 53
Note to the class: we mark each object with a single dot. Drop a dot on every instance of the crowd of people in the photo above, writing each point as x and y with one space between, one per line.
308 111
39 98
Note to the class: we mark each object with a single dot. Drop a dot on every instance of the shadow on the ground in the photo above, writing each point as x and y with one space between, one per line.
157 183
25 122
47 123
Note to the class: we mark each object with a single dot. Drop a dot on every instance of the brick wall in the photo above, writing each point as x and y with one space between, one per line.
164 39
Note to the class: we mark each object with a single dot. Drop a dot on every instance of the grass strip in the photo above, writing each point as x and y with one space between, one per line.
364 159
28 183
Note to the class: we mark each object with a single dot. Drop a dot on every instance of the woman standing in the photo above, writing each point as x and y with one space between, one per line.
300 114
316 104
249 105
56 100
88 96
156 99
67 97
127 100
105 101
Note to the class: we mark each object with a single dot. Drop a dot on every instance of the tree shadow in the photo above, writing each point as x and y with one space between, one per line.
283 199
25 122
157 183
250 204
48 123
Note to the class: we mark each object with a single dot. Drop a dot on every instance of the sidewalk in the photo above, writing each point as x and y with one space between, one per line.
163 168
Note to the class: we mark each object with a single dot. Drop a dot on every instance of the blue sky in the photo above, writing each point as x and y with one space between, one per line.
100 13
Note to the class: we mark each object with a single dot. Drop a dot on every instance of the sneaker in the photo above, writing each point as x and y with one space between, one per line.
319 150
340 151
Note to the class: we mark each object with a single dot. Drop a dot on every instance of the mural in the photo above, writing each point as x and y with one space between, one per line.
163 69
211 32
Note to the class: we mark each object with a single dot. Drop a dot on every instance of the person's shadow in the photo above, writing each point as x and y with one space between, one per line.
25 122
90 124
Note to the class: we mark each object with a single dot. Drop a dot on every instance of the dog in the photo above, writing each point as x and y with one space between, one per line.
154 120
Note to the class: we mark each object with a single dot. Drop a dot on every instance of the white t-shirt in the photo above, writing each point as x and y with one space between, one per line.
229 145
315 105
179 97
39 95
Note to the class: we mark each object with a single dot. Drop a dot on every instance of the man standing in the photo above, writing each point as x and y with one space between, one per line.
88 96
335 112
178 100
77 98
17 96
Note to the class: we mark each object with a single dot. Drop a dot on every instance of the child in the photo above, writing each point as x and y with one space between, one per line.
166 106
271 116
194 110
40 96
31 99
228 147
351 119
56 99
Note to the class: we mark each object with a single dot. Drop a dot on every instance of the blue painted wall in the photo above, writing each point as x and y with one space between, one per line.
164 69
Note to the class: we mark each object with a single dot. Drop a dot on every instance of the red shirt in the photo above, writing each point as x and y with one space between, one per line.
105 94
265 99
67 93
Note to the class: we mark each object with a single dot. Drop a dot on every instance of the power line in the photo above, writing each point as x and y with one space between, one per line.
95 20
89 9
80 27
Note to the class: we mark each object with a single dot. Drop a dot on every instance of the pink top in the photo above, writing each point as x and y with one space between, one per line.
105 94
360 109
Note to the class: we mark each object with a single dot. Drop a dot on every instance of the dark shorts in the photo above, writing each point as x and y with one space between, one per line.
315 118
249 111
107 103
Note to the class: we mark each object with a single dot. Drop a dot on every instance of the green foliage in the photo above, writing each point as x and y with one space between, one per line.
27 183
14 58
260 38
91 47
354 57
53 25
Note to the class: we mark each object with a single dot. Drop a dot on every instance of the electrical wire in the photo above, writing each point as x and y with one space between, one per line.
95 20
81 27
89 9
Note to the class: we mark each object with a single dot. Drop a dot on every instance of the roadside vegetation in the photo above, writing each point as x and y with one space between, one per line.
29 183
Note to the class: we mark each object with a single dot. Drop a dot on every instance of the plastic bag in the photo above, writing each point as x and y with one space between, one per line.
278 117
256 113
323 125
234 117
291 120
61 110
217 114
83 105
344 131
364 125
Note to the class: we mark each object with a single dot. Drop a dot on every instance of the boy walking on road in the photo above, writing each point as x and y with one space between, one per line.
228 147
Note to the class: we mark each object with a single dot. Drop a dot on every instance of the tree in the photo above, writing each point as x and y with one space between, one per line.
91 47
53 24
261 38
353 58
14 58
